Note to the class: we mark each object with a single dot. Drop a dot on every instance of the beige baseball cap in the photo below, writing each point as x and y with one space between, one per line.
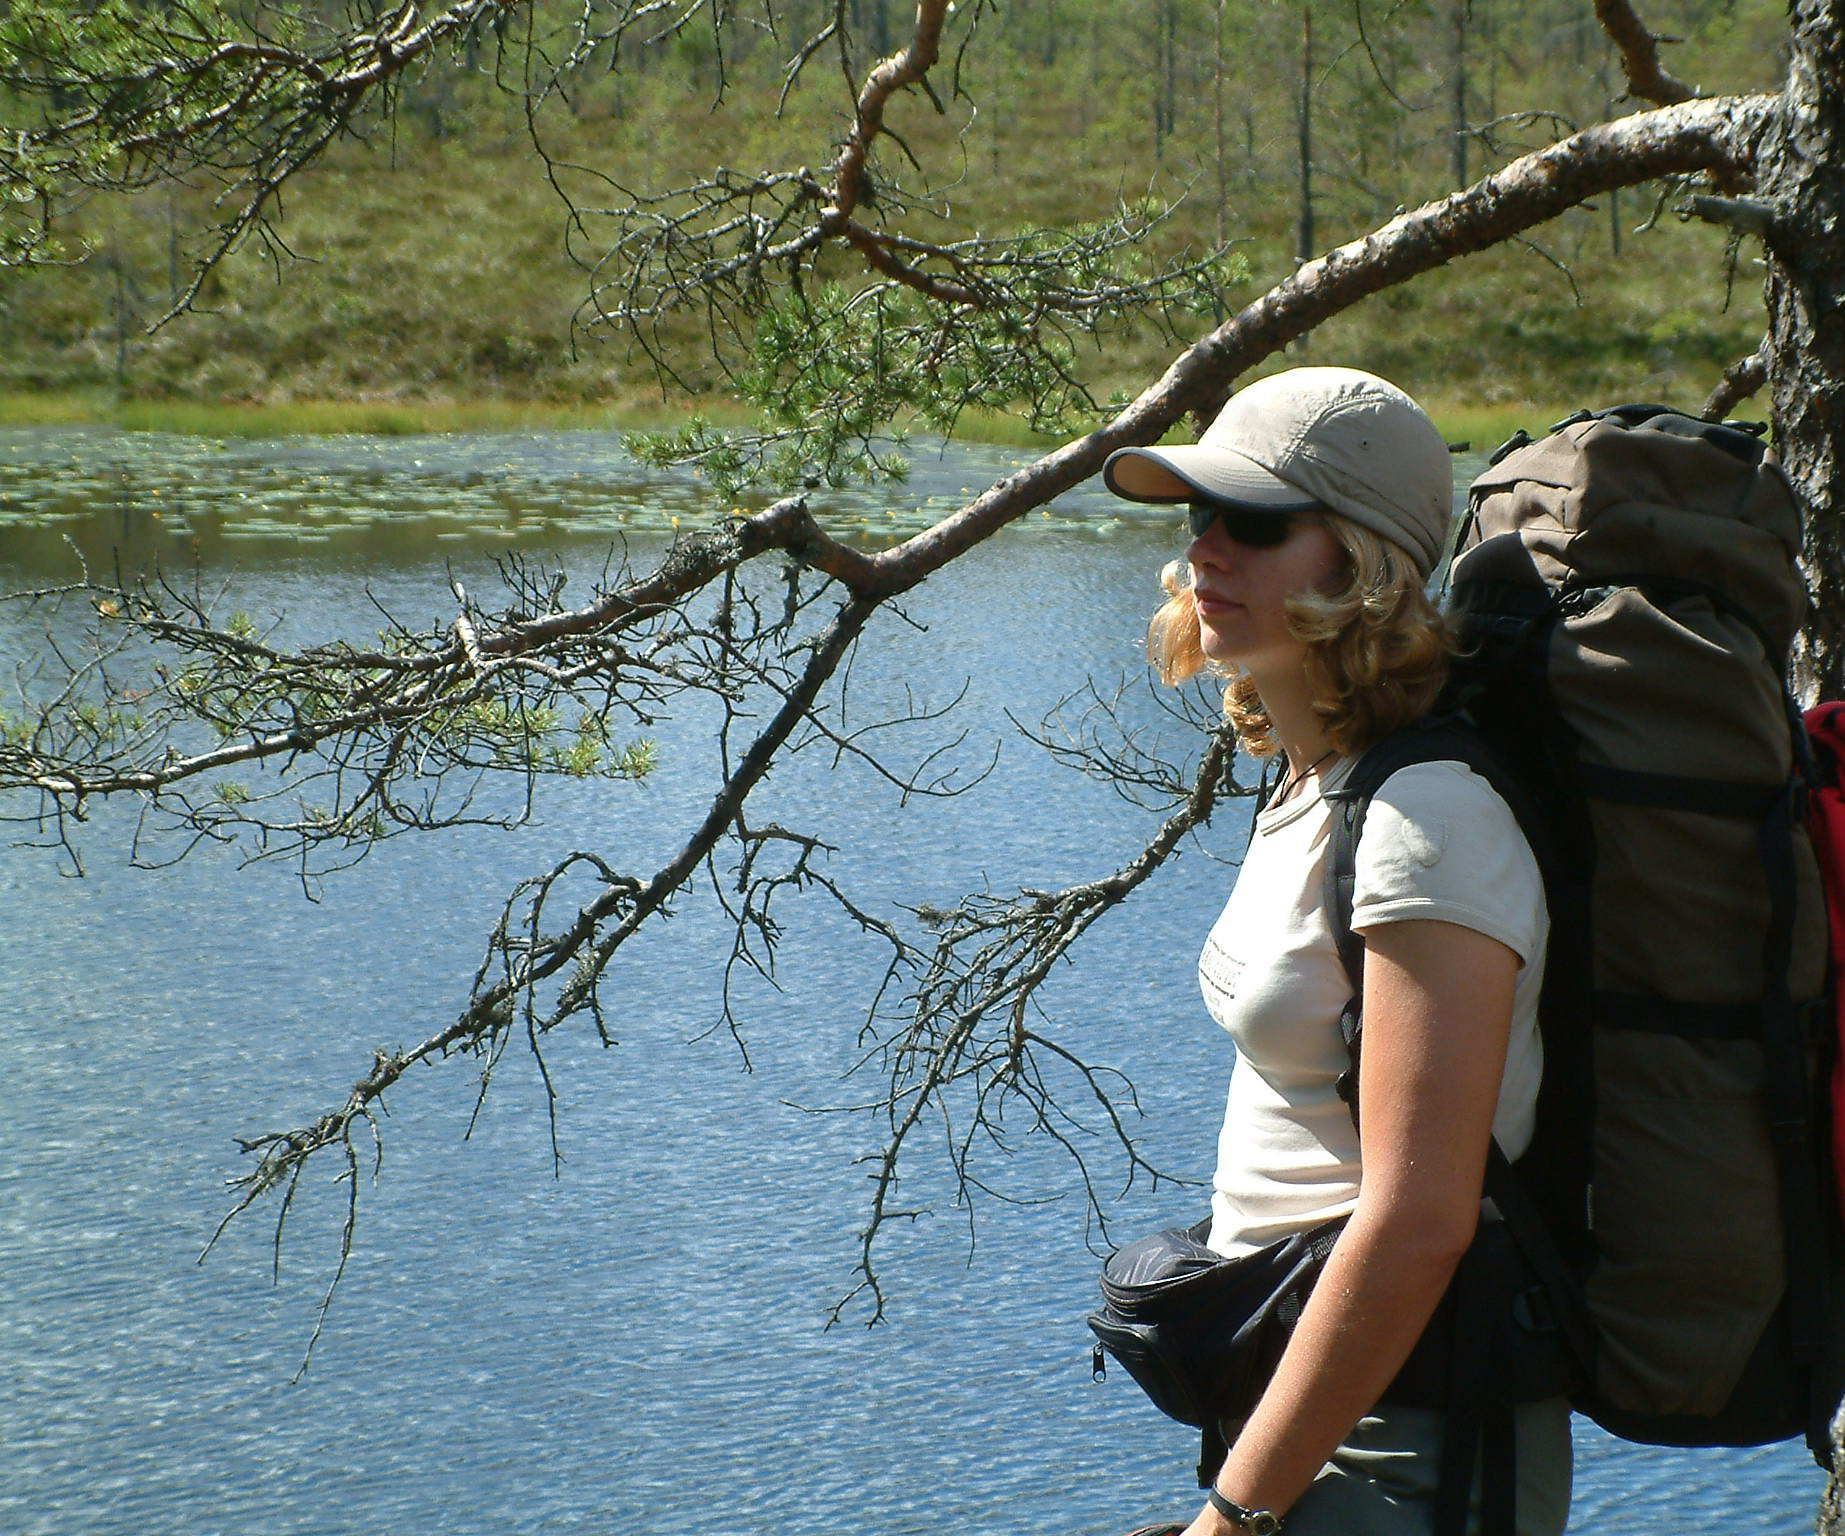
1337 438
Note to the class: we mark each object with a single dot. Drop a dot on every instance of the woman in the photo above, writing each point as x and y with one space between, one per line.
1320 501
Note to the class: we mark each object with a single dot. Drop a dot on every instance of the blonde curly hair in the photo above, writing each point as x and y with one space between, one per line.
1377 647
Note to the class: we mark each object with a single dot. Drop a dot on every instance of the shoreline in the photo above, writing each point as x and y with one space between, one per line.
1468 426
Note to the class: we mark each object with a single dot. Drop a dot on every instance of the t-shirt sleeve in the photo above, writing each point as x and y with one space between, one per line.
1440 845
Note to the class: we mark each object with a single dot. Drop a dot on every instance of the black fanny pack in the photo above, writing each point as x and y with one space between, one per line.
1202 1334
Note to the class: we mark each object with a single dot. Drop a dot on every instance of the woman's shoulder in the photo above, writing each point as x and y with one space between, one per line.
1438 822
1443 788
1438 842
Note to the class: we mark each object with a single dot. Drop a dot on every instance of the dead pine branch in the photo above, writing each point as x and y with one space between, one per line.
968 1045
964 1043
322 750
1743 378
1647 78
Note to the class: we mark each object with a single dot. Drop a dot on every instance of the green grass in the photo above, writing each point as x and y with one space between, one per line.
323 417
46 408
1474 427
1482 428
288 418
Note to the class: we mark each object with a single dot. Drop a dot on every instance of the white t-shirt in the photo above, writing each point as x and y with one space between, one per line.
1438 843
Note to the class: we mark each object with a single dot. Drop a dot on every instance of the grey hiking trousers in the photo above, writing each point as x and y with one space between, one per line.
1382 1481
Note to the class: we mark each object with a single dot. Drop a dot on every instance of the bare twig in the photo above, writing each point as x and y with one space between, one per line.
965 1034
1639 48
1745 215
1740 380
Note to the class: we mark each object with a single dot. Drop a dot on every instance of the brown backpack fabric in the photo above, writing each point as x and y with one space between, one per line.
1628 591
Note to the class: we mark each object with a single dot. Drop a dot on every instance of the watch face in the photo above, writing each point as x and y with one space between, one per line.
1262 1523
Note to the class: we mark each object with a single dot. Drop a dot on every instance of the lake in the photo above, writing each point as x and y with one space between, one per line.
635 1342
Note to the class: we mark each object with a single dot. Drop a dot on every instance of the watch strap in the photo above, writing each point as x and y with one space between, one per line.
1258 1522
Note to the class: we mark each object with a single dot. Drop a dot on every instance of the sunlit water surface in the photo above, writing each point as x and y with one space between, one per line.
636 1344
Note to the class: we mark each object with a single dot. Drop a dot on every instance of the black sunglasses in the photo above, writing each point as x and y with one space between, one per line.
1253 530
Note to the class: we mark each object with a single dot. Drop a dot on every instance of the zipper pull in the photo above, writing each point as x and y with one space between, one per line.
1098 1367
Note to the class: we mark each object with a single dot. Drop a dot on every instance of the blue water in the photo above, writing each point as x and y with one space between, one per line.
637 1344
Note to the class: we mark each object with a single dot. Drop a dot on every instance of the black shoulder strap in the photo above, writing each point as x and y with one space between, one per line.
1479 1425
1478 1428
1445 737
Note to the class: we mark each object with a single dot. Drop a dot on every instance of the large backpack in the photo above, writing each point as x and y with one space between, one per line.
1627 593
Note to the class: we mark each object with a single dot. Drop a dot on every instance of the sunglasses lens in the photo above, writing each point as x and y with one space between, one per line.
1258 530
1254 530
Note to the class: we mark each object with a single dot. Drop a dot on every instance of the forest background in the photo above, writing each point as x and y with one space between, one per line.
426 272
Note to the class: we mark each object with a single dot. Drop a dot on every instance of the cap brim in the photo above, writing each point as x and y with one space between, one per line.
1189 471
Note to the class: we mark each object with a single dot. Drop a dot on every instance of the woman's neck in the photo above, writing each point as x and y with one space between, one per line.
1289 706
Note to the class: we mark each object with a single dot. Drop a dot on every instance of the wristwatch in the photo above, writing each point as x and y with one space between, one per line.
1258 1522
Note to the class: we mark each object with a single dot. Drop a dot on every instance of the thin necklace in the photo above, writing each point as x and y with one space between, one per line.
1293 780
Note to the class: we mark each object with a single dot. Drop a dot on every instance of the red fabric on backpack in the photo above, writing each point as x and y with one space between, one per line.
1826 823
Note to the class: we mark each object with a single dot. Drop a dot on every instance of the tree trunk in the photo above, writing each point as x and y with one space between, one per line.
1172 67
1457 100
1165 67
1486 28
1304 248
1222 144
1798 177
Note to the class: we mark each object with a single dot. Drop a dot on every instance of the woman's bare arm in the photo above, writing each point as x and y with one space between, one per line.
1437 1009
